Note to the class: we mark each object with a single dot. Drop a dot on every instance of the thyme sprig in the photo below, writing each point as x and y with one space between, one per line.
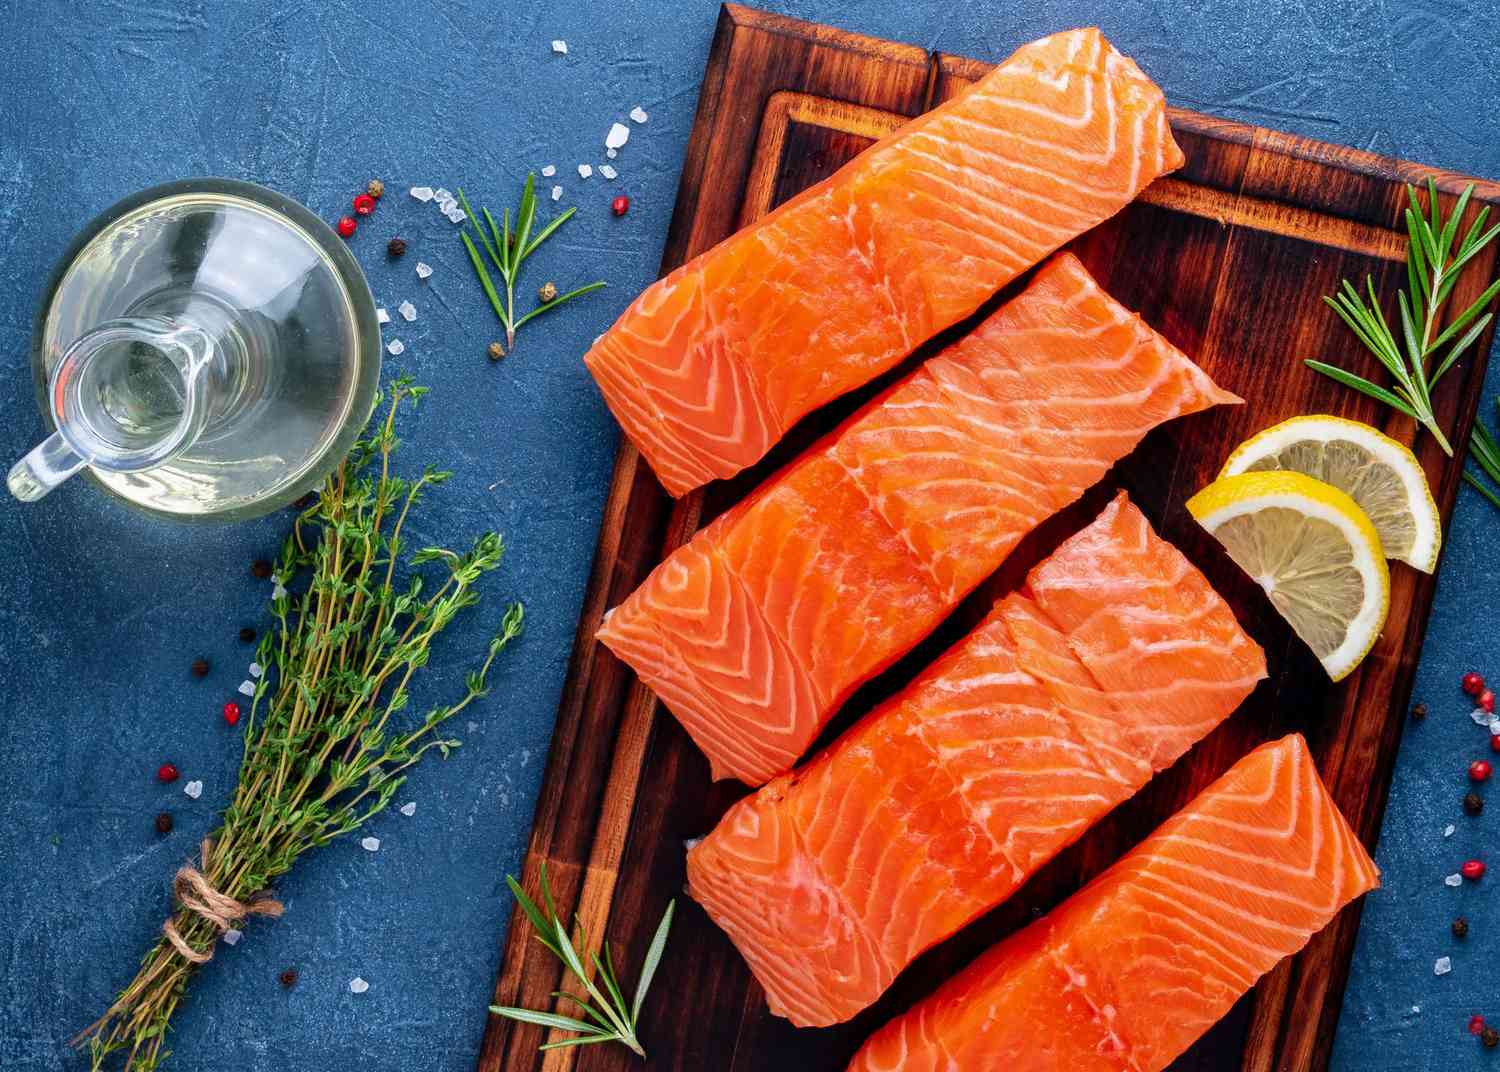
609 1018
508 250
325 748
1433 266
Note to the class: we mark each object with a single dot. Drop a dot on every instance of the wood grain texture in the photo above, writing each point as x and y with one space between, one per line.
1229 259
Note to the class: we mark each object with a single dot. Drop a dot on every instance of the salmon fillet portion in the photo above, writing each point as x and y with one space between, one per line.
714 362
756 630
939 804
1128 973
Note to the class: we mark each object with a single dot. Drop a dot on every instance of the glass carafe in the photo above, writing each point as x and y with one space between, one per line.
208 348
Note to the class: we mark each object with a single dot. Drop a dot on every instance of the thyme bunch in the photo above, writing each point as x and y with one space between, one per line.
325 747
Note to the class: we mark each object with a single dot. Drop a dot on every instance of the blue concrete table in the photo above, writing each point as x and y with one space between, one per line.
104 610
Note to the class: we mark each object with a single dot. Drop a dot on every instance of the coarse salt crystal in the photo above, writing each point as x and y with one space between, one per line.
247 687
638 114
382 317
557 193
370 844
358 985
1494 726
560 47
409 808
256 669
423 269
584 171
473 726
608 172
618 135
611 153
457 216
1480 716
1454 880
1416 1008
1443 966
193 789
548 171
232 936
407 310
1449 830
278 591
443 194
395 347
422 193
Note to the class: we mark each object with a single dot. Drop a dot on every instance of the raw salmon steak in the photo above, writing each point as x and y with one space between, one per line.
1128 973
756 630
710 366
1111 662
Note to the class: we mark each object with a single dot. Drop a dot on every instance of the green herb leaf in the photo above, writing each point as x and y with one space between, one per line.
546 232
555 302
1362 385
543 1019
584 1041
539 923
1474 483
1462 344
484 277
653 958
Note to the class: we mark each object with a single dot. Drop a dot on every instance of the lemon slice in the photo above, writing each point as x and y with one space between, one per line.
1377 472
1312 549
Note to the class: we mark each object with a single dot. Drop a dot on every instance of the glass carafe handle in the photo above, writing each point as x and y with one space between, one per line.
99 395
48 465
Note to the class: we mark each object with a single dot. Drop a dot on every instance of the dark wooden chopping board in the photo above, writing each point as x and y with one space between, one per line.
1228 258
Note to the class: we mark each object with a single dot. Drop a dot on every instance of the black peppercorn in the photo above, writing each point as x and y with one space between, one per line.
1460 927
200 667
260 569
396 247
164 823
247 635
1490 1037
288 978
1418 712
1473 803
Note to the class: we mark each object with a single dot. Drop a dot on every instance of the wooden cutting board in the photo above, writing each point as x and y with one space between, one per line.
1229 258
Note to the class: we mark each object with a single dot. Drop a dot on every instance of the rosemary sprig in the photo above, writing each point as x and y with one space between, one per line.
1433 266
330 749
1486 453
609 1018
508 250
